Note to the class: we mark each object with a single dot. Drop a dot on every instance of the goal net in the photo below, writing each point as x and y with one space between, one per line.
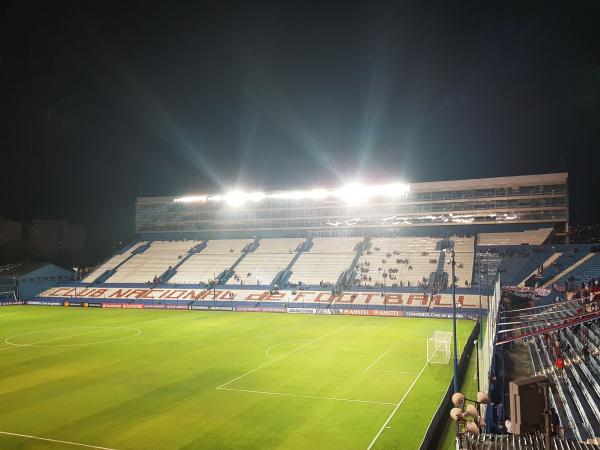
7 296
438 347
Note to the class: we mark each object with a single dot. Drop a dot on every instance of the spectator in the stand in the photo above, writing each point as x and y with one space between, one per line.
554 422
585 352
508 425
560 365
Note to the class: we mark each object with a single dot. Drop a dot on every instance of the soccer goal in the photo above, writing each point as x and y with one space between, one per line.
8 296
438 347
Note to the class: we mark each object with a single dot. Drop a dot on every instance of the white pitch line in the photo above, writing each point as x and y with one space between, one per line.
341 399
267 351
55 440
277 359
396 408
394 371
48 340
383 354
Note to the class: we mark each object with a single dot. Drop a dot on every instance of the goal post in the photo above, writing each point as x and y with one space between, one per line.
438 347
8 296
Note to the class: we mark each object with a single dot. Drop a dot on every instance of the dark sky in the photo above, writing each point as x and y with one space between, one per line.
102 101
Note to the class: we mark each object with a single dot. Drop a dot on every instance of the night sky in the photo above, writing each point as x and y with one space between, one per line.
101 102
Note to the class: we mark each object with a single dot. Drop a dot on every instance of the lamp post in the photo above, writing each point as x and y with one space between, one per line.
214 282
453 260
477 363
76 277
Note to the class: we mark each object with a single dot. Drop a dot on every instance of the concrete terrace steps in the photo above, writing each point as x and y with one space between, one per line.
569 269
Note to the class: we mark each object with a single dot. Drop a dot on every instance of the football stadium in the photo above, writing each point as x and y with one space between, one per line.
367 316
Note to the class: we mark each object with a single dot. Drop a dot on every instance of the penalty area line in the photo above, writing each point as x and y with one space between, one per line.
318 397
383 427
77 444
383 354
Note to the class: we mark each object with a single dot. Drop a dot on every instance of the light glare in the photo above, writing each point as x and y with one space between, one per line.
352 193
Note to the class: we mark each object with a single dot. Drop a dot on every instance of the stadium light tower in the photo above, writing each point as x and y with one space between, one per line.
480 312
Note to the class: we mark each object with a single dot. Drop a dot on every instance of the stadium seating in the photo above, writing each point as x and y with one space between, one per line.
325 261
112 263
464 249
530 237
514 263
218 256
588 269
398 261
578 393
263 264
158 258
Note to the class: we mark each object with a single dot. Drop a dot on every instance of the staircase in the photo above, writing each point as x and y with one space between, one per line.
348 276
169 273
284 275
439 278
228 273
106 275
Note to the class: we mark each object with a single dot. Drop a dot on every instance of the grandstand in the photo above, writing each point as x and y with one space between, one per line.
398 261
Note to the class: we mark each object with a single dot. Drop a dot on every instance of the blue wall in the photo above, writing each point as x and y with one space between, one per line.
38 280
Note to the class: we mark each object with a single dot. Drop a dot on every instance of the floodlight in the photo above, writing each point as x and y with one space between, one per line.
191 199
456 414
458 399
255 196
472 428
353 193
292 195
317 194
235 198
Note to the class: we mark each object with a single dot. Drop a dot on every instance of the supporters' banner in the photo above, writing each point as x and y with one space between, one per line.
529 293
287 298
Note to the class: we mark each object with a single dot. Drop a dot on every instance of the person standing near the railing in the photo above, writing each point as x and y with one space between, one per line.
554 421
560 365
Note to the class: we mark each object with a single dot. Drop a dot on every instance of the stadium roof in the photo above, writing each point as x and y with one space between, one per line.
15 270
496 182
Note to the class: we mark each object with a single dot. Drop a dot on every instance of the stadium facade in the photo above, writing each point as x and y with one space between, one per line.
485 203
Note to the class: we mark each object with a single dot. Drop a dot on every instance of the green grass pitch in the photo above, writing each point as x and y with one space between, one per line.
143 379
